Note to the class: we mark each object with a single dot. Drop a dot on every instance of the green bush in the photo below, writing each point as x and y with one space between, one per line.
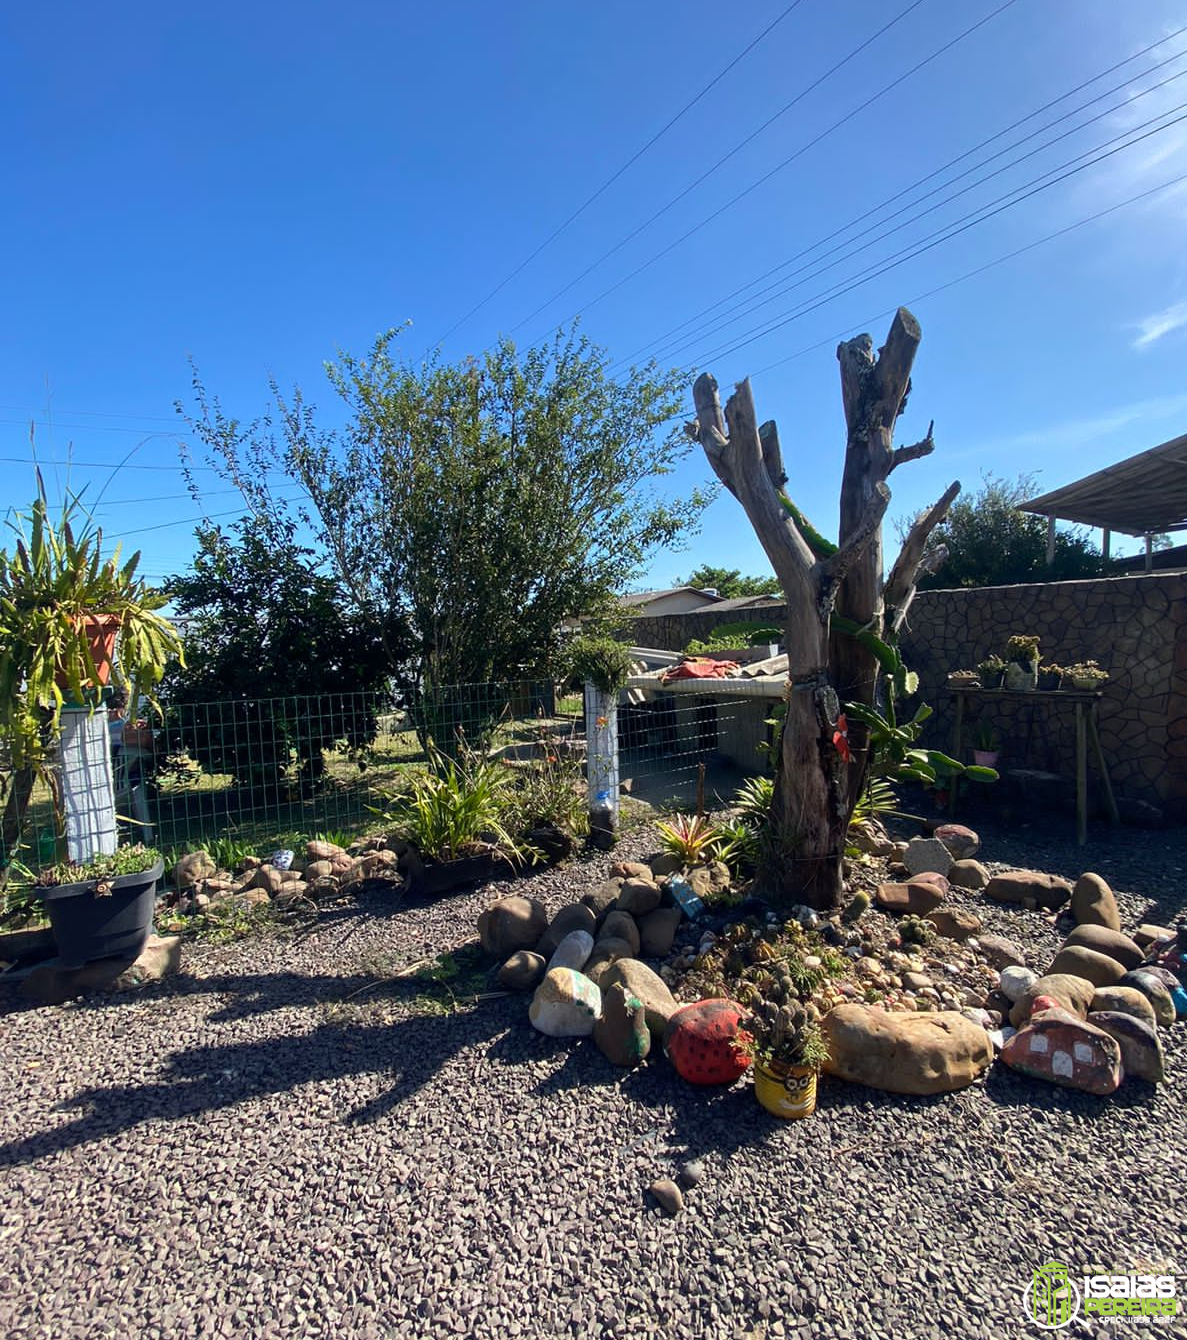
601 661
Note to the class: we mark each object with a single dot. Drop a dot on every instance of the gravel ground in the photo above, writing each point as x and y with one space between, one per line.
245 1150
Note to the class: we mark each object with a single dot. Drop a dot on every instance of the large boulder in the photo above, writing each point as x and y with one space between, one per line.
621 1034
1122 1000
702 1042
954 923
510 924
657 930
621 926
1029 888
572 952
961 841
606 953
602 897
192 869
926 855
1141 1050
905 1053
917 896
1115 944
1062 1048
571 917
1000 952
1093 903
639 896
523 971
565 1005
1097 968
647 986
1074 994
1156 992
968 874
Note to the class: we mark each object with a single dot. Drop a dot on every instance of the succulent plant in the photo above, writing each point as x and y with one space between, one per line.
782 1027
916 930
857 906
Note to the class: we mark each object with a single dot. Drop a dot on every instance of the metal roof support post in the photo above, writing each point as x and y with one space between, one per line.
1050 541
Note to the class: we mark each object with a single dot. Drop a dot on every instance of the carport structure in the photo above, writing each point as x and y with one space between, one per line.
1144 495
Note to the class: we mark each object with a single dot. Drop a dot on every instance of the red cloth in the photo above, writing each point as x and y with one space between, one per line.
696 667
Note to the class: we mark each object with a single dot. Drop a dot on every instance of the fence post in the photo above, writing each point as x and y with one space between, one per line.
601 753
88 800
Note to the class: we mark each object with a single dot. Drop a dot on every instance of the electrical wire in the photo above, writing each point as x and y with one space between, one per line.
924 245
817 268
662 340
605 186
856 51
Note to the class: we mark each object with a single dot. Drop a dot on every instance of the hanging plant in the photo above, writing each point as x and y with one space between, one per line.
67 615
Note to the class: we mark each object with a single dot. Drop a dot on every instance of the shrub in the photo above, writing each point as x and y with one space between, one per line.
601 661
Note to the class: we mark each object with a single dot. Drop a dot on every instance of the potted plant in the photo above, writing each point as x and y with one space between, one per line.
1087 675
67 616
986 744
101 908
1050 677
1022 663
964 679
990 672
784 1039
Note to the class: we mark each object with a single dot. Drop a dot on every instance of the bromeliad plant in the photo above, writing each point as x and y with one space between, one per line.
54 583
694 839
455 808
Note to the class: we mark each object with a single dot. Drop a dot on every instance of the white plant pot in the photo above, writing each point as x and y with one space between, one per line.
1022 678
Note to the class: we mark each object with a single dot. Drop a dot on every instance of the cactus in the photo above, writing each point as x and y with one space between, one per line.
916 930
857 906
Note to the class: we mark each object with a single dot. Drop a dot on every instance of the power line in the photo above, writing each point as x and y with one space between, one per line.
978 270
803 93
89 427
816 268
927 244
894 83
922 181
605 186
97 465
88 413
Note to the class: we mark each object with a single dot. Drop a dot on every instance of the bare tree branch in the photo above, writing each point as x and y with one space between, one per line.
893 369
772 453
900 585
924 447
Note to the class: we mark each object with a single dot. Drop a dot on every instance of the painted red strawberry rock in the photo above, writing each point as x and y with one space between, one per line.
702 1041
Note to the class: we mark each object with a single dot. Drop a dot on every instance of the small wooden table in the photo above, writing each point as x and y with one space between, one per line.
1086 703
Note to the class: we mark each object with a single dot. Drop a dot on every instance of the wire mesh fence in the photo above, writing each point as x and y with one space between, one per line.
666 738
258 770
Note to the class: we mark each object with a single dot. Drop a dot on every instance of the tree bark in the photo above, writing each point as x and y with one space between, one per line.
815 785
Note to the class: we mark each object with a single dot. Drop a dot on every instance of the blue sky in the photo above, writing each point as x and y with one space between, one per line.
258 186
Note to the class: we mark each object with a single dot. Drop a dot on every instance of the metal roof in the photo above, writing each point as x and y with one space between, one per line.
1143 495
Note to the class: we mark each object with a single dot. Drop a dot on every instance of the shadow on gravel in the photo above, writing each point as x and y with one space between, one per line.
410 1052
1008 1088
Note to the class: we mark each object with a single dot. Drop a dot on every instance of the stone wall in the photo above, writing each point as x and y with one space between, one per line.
673 632
1136 627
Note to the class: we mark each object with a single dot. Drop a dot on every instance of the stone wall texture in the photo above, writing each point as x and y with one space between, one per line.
1135 627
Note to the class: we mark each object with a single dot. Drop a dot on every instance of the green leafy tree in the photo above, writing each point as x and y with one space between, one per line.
991 543
729 582
480 505
279 671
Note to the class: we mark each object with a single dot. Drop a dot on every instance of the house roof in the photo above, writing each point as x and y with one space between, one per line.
1145 494
739 603
645 597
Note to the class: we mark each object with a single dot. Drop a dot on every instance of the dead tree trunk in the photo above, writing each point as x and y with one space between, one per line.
816 784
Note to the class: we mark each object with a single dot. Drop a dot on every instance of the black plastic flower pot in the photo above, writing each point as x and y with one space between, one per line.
89 925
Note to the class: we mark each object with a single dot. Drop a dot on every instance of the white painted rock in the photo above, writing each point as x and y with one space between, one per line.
924 855
573 951
1015 982
566 1004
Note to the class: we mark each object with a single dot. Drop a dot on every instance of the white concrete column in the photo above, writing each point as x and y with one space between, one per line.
88 797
